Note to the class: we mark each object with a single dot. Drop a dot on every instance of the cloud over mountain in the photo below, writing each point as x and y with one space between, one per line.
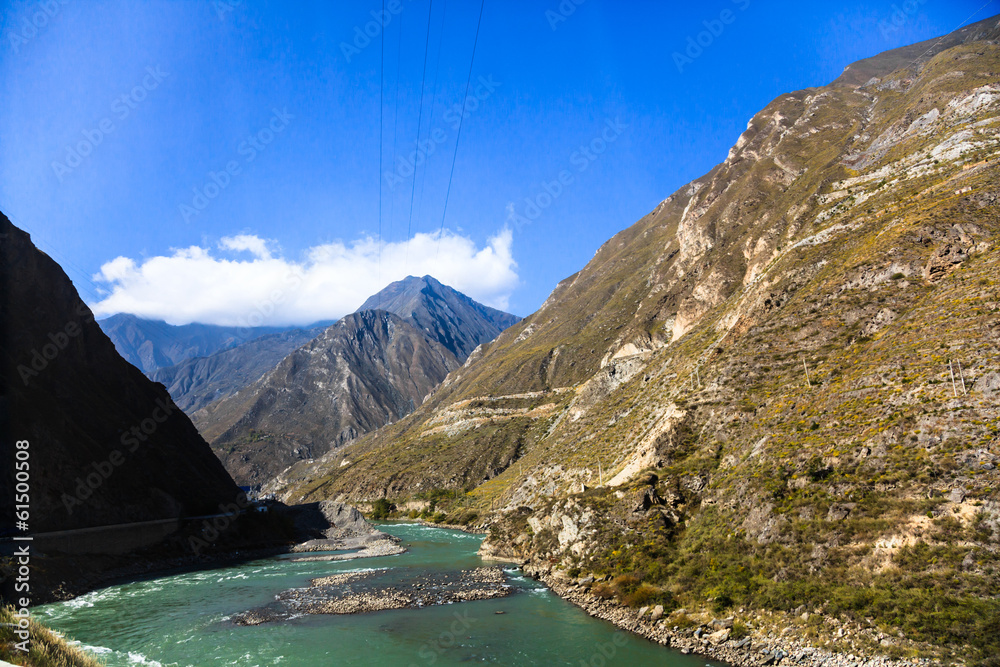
246 281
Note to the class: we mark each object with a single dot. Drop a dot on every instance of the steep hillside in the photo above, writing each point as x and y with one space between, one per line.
194 383
745 400
152 344
443 313
363 372
87 413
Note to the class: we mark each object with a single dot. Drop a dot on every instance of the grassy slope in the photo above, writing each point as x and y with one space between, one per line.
46 649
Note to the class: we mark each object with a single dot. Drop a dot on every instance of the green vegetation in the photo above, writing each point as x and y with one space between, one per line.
381 509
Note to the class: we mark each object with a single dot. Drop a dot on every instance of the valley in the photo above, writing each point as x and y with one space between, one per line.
760 426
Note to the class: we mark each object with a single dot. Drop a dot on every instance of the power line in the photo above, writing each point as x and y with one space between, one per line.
395 121
461 118
420 114
434 99
381 123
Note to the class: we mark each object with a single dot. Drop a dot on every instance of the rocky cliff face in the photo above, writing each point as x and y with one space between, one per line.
365 371
445 314
106 444
802 347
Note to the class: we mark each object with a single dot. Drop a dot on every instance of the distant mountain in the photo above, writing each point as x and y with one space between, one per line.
443 313
446 315
384 361
106 445
367 370
194 383
153 344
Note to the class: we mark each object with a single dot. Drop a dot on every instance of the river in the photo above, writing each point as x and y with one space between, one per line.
184 619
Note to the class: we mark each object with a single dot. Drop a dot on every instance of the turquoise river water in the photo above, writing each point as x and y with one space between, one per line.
183 619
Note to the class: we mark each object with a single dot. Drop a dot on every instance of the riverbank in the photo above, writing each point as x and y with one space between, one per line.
705 634
749 638
328 526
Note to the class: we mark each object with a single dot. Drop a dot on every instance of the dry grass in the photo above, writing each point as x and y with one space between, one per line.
46 648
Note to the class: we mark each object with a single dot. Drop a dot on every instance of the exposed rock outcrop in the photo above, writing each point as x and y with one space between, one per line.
365 371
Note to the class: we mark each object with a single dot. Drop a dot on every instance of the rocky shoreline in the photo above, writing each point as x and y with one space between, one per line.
342 594
708 636
703 633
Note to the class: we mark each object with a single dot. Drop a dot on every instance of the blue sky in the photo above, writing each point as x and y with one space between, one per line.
232 147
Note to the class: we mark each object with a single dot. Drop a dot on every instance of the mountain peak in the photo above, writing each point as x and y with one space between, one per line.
451 318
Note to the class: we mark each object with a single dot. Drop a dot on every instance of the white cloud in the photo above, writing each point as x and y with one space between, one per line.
248 242
332 280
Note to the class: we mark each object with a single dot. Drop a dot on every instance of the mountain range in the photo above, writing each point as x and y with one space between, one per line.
442 313
364 372
153 344
772 401
198 379
194 383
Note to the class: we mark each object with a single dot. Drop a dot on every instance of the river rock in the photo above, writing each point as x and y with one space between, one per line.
719 637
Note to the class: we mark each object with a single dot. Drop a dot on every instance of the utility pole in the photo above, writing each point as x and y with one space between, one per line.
600 471
954 387
808 382
961 376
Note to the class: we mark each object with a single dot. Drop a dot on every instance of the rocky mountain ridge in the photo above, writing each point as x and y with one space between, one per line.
382 371
451 318
153 344
365 371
